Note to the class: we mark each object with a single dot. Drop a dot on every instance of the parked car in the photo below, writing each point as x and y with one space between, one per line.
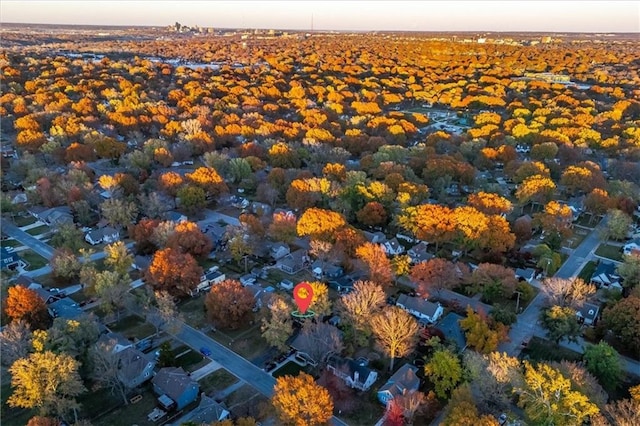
205 351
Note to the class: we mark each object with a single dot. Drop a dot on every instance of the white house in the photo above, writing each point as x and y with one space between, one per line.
420 308
105 235
632 247
212 277
419 253
403 380
393 247
354 375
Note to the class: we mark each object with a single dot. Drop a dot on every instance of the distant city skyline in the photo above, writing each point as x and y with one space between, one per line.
479 16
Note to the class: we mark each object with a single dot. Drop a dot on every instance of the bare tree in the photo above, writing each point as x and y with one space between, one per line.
359 306
411 402
15 341
105 369
569 292
396 332
319 340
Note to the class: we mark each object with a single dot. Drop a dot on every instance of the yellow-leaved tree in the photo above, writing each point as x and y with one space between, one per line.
300 401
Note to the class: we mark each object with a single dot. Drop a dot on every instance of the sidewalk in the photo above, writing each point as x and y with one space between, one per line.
205 370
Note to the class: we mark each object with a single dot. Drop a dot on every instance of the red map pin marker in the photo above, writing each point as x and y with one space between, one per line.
303 295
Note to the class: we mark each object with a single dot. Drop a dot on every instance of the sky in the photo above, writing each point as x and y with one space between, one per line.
476 15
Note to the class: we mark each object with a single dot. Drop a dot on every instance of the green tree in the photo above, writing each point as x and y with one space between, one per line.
112 288
278 327
629 270
618 224
166 358
444 370
118 258
239 169
560 323
46 381
603 362
623 319
68 236
192 198
547 398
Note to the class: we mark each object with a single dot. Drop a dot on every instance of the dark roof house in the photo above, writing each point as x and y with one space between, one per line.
404 379
177 385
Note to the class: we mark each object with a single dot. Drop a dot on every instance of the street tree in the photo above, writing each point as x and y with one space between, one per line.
229 304
435 275
117 258
68 236
112 289
547 397
46 381
396 332
188 238
445 371
119 212
567 292
174 272
278 326
623 319
64 264
319 339
299 401
560 323
482 334
15 341
604 362
618 225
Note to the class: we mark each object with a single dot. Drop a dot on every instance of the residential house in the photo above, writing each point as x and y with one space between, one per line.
341 284
450 327
588 313
293 262
175 388
208 412
10 260
354 374
606 276
175 216
403 380
141 263
247 279
279 250
375 237
258 272
134 367
214 232
65 308
116 341
393 247
54 216
527 274
632 246
422 309
105 235
419 253
210 278
321 270
47 296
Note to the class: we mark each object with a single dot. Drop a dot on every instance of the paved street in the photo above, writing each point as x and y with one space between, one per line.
234 363
581 254
43 249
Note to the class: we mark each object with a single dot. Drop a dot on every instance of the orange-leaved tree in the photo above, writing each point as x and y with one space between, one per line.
299 401
174 272
378 264
24 303
229 304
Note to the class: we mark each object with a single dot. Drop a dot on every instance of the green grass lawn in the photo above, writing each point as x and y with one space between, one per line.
11 243
34 260
588 271
217 381
133 326
24 220
575 240
609 251
132 414
38 230
193 312
544 350
191 360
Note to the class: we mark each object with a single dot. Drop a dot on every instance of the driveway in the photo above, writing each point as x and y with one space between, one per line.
43 249
234 363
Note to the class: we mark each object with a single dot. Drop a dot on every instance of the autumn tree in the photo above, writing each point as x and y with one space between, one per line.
435 275
429 222
118 212
623 319
378 264
629 270
188 238
617 225
68 236
174 272
560 323
556 218
547 397
569 292
361 304
229 304
318 340
192 198
278 327
209 180
118 258
372 214
445 371
46 381
283 227
493 281
492 378
396 332
142 234
462 410
106 369
321 304
299 401
25 304
489 203
536 188
112 288
319 223
482 334
603 362
64 264
15 341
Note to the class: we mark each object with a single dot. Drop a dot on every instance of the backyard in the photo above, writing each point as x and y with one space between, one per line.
133 326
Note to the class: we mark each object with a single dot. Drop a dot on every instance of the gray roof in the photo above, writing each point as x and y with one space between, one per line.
404 378
207 412
417 304
173 381
132 363
66 308
450 327
350 367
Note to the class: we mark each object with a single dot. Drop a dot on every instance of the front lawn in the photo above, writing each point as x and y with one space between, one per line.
133 326
190 361
217 381
11 243
21 221
34 260
38 230
368 410
609 251
193 311
289 369
588 271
